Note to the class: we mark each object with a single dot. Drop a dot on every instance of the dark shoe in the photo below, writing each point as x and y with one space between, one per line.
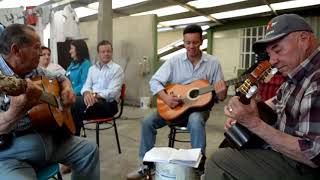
64 169
200 169
145 171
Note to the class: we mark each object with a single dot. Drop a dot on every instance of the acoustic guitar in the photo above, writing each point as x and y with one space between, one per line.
50 114
237 135
194 96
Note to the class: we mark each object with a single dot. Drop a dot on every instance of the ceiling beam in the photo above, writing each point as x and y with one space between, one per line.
212 10
268 3
218 9
196 11
144 6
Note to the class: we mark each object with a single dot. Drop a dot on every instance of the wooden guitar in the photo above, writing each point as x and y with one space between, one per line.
50 114
237 135
195 95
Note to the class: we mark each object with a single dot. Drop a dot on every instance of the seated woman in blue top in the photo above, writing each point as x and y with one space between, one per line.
78 69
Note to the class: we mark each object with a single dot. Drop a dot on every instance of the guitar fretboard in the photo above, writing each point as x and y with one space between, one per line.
49 98
228 83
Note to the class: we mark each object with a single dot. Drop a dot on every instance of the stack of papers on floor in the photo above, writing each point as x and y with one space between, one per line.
187 157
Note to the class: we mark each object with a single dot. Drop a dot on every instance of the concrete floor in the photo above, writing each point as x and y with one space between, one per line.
115 166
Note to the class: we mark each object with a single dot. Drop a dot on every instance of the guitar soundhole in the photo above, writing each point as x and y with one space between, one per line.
194 93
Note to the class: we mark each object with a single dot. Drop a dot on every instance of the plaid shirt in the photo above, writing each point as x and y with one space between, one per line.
25 122
298 106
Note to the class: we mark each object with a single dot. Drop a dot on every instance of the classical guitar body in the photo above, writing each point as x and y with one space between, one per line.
47 117
191 99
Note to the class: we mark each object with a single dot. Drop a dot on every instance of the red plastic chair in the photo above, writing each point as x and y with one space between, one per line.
109 121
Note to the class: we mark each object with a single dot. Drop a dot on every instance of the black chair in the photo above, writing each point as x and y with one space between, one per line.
110 122
177 129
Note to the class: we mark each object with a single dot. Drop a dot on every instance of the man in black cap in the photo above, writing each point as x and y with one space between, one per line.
293 150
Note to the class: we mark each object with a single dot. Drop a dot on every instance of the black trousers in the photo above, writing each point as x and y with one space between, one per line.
101 109
252 164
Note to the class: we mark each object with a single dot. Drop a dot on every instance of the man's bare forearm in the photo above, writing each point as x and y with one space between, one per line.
282 142
8 119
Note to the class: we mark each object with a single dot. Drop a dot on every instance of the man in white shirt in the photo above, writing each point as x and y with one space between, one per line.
101 90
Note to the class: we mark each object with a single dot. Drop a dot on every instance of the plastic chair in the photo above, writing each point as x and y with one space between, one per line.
174 130
49 172
109 121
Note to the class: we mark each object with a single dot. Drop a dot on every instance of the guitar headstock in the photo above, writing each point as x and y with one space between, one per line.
263 72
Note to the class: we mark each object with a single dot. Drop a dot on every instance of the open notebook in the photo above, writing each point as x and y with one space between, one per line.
187 157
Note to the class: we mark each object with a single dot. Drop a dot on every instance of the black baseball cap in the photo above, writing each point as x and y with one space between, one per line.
279 27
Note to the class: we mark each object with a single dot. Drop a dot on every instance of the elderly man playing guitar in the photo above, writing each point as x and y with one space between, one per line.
185 68
25 148
292 145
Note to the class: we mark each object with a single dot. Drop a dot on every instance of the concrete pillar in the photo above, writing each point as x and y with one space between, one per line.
210 40
105 20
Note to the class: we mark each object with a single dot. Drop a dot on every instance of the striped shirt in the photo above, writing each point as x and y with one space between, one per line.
298 106
25 122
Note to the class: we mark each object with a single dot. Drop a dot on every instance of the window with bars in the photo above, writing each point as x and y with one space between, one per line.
248 37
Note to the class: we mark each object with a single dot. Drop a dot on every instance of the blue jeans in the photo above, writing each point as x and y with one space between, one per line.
36 150
196 126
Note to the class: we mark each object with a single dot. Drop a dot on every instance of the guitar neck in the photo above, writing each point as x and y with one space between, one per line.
49 99
236 80
228 83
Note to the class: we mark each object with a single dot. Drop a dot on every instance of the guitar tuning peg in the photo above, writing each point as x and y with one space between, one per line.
270 74
251 92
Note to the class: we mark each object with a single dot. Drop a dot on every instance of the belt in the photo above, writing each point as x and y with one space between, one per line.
23 132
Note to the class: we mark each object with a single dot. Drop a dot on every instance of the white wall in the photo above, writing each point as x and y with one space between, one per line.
131 42
88 31
226 46
134 37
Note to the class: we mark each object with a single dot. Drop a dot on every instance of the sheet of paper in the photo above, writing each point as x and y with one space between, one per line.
187 157
159 154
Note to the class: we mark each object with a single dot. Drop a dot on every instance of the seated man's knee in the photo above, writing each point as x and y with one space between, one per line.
218 157
196 122
94 149
148 121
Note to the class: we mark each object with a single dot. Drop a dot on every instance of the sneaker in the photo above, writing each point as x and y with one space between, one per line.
145 171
